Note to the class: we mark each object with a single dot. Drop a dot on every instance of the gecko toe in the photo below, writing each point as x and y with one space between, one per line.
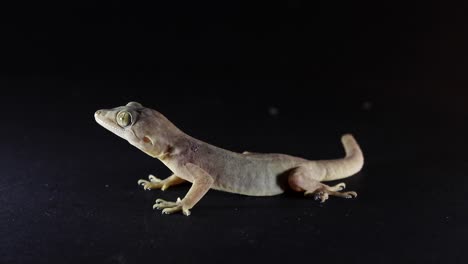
152 178
142 182
319 196
160 201
186 212
341 186
172 210
323 197
162 204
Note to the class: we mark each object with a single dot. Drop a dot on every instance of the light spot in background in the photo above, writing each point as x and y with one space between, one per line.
367 105
273 111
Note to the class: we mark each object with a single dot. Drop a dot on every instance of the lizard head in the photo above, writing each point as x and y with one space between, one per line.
142 127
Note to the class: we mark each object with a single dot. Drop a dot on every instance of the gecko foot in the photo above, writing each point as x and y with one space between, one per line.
324 193
153 183
171 207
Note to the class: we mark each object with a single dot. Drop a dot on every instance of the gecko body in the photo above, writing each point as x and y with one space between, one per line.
210 167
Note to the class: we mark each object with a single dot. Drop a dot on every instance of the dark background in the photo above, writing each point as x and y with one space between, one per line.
283 77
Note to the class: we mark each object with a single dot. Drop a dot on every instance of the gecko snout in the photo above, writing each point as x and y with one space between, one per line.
99 115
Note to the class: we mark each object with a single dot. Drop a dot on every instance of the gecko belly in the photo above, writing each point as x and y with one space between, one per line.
253 175
250 183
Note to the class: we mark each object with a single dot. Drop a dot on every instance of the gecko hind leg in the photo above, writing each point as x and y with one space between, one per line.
302 179
324 192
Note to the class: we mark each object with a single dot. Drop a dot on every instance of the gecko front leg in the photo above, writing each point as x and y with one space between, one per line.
156 183
202 182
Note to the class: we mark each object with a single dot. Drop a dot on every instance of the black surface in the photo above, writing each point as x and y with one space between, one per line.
282 77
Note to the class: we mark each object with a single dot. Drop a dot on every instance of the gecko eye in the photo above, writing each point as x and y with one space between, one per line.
124 118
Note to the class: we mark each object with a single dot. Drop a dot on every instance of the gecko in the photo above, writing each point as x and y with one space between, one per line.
210 167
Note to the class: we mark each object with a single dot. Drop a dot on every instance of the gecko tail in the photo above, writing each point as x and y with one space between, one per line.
349 165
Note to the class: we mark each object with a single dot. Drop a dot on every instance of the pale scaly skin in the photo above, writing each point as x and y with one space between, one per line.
207 166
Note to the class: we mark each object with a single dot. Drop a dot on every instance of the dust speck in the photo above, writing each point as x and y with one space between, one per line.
273 111
367 105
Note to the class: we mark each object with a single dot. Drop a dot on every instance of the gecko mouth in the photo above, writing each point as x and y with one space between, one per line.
104 121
